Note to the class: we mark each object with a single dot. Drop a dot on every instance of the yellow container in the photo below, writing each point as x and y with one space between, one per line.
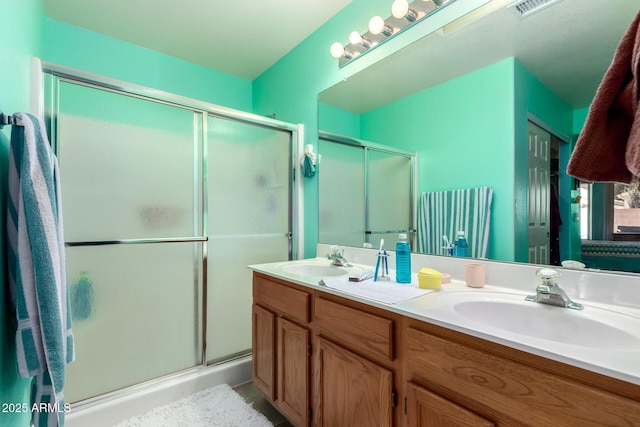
428 278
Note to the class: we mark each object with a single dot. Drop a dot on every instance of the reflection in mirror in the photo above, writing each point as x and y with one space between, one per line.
478 101
366 192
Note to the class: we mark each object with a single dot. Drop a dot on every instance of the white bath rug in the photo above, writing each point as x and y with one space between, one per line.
216 406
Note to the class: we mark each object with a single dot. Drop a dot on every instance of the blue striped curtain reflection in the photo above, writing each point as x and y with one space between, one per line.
444 213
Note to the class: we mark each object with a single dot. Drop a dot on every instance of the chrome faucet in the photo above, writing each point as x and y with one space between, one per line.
337 258
548 292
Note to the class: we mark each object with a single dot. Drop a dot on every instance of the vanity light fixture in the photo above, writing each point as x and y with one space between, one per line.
404 13
400 9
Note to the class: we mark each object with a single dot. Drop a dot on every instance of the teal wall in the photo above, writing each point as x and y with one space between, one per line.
335 120
91 52
464 139
579 117
21 30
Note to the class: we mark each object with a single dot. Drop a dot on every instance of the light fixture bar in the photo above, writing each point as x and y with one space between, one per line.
403 15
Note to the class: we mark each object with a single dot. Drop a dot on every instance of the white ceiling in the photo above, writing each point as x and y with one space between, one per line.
238 37
568 46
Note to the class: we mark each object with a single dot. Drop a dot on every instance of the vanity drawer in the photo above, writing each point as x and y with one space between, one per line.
505 389
360 330
285 300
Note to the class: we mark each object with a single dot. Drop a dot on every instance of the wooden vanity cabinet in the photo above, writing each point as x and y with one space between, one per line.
342 353
350 389
473 382
282 346
324 360
355 363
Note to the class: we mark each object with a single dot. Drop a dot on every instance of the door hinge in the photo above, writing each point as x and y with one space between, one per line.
405 406
394 399
309 414
309 350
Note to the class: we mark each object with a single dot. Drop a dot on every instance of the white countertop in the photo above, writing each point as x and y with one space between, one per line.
621 363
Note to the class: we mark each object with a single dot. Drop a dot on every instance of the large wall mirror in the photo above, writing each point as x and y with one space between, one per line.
478 101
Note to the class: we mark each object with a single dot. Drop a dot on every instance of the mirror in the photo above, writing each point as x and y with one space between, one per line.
466 98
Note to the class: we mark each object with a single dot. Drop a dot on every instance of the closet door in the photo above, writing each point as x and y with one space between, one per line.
248 222
539 195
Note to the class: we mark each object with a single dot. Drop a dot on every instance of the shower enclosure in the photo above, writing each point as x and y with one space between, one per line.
166 200
366 192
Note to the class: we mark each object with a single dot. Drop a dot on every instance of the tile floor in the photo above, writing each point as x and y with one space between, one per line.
252 395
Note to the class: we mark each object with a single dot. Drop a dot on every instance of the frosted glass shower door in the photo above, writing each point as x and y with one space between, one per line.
130 194
390 195
365 192
142 321
248 222
127 166
341 194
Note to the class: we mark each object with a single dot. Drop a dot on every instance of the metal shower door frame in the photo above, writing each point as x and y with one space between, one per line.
55 74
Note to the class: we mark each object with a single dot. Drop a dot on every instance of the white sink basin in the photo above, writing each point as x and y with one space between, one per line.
592 327
312 269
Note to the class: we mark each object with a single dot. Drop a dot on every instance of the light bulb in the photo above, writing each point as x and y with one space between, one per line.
337 50
355 38
376 24
400 8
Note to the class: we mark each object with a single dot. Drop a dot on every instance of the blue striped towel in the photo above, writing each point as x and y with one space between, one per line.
443 213
36 265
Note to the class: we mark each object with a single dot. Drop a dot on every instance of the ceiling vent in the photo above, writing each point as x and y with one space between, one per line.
526 8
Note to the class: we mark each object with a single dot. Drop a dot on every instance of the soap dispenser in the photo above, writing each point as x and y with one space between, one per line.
462 247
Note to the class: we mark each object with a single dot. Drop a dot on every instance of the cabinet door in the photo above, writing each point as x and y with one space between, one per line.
293 371
264 343
352 390
426 409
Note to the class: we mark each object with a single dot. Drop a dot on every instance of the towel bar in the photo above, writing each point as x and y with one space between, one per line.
8 120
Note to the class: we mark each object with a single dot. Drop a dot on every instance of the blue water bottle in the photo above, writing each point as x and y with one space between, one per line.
403 259
462 247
